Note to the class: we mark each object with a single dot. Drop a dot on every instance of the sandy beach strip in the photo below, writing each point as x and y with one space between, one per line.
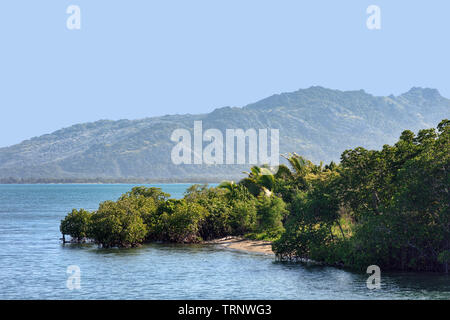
242 244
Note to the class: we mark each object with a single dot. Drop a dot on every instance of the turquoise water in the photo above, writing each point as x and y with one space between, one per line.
33 262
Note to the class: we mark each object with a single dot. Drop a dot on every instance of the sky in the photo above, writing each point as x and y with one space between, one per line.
141 58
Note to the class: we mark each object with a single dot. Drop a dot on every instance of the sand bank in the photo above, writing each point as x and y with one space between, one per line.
238 243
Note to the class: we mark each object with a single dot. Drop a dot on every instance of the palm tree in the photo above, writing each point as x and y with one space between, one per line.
301 169
228 185
231 187
298 164
260 179
283 172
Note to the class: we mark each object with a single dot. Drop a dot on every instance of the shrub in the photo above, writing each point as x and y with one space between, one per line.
270 213
76 224
181 224
242 218
117 224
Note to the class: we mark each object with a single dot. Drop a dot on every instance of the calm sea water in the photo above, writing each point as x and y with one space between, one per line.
33 262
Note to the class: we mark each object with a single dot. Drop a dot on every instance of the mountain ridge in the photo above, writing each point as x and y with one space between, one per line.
316 122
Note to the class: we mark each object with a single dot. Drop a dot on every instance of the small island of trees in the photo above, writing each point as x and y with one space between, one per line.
388 207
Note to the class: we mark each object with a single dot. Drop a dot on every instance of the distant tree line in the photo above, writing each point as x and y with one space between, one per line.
14 180
388 207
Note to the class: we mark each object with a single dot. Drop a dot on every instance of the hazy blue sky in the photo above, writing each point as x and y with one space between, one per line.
141 58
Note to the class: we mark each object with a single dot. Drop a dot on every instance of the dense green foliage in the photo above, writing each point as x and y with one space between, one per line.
205 213
393 203
76 224
388 207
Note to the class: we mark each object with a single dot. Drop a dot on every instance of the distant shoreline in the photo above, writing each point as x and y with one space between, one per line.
199 180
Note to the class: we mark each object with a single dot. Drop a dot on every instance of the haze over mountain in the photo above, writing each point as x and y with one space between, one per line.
317 123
